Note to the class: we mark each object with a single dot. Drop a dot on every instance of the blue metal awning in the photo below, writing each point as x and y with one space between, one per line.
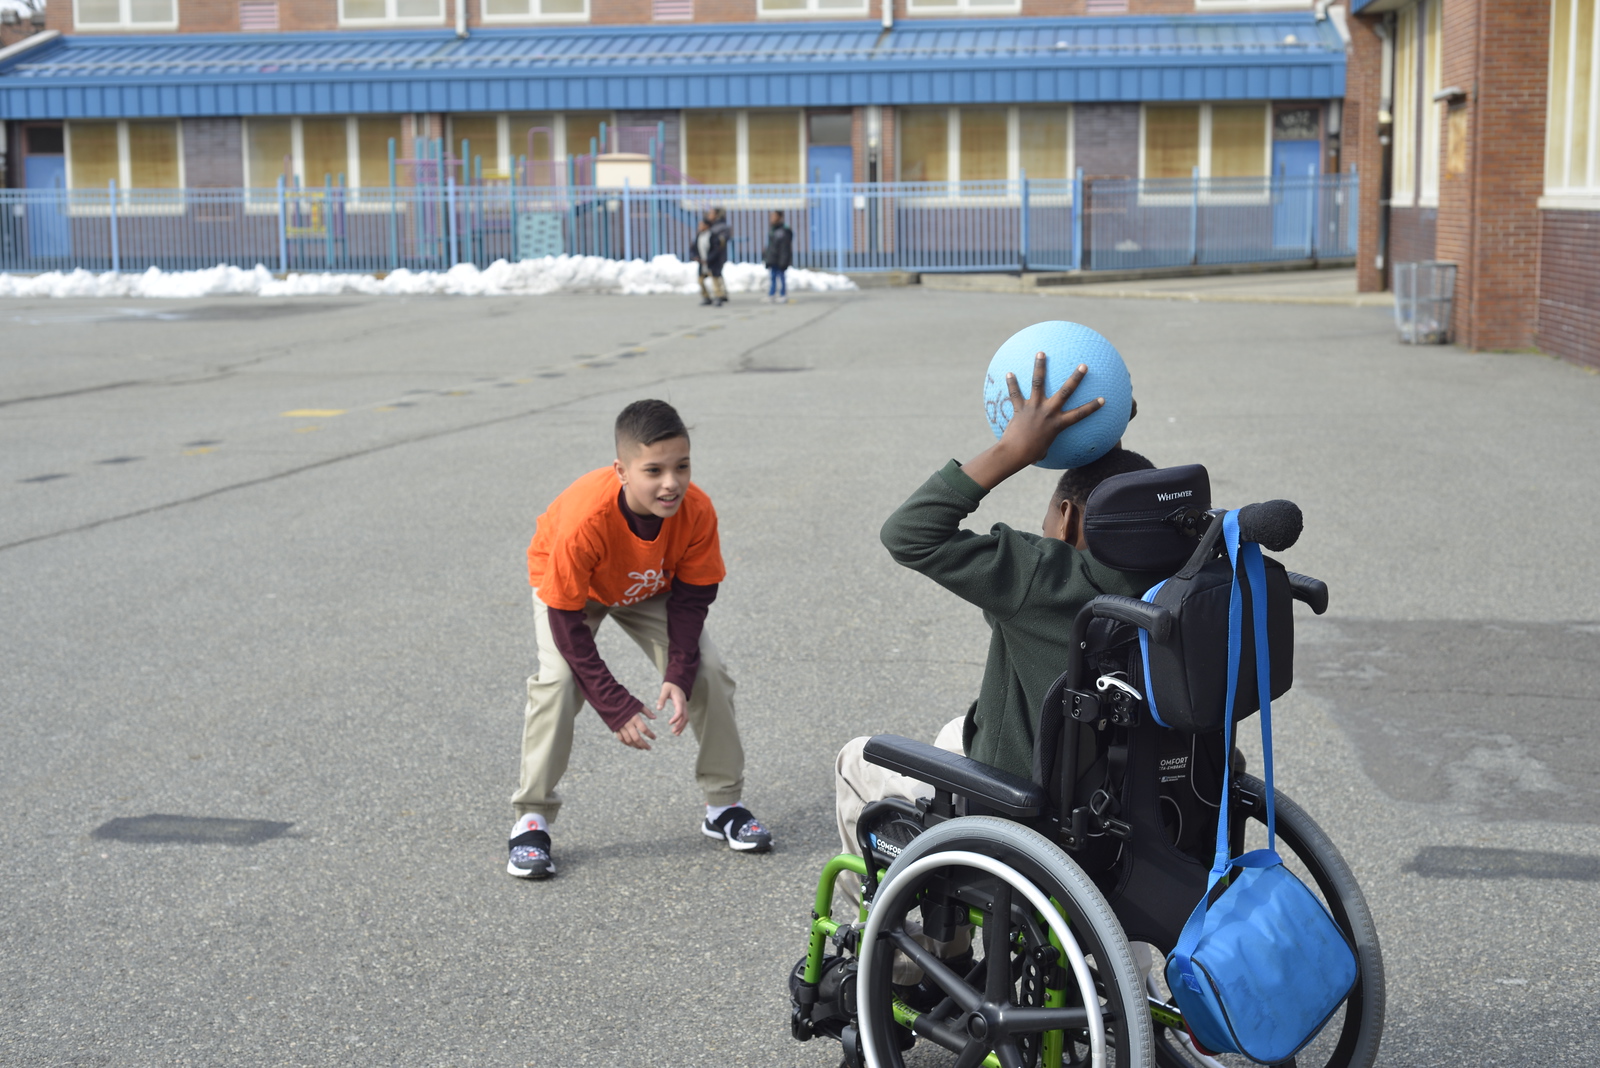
971 61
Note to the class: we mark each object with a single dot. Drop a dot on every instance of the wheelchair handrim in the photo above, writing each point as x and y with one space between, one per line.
1041 903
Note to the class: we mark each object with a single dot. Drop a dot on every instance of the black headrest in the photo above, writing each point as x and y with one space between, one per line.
1126 517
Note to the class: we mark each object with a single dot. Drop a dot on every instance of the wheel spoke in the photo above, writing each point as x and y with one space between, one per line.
997 946
1008 1054
941 973
973 1054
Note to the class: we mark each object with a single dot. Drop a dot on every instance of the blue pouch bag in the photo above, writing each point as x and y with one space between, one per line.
1260 966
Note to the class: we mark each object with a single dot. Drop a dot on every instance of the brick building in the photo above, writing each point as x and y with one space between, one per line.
1481 120
238 93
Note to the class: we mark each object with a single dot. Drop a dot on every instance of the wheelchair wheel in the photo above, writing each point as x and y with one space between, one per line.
1350 1039
1053 985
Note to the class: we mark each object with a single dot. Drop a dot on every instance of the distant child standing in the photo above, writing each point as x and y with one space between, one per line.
711 252
635 541
778 256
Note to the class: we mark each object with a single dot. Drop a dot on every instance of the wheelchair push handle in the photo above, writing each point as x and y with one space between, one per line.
1275 525
1158 621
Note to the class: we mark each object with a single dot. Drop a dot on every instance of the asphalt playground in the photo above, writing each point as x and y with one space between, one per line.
266 623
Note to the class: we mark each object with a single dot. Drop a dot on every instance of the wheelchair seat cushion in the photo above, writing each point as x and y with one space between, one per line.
1126 518
999 791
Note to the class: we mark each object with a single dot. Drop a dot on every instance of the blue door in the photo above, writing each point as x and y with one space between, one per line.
48 232
1294 165
830 218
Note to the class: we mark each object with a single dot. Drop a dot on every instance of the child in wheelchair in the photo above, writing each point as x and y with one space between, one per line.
1007 870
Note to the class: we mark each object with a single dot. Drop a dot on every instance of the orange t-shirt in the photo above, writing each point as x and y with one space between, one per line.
583 549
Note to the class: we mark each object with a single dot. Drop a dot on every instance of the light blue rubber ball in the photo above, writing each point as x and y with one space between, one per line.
1066 345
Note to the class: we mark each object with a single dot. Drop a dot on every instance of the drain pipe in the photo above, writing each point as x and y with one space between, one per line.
461 19
888 15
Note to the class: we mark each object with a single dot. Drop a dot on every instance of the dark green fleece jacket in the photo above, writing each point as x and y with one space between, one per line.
1030 588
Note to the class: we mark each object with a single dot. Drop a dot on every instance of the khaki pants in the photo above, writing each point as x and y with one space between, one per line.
716 280
857 784
554 701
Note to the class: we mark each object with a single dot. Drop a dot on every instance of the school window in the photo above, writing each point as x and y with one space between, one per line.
347 151
962 7
1431 112
1403 133
984 143
125 14
792 8
1249 5
773 147
136 154
532 10
392 12
1043 141
924 144
1222 140
711 147
984 137
743 147
1572 129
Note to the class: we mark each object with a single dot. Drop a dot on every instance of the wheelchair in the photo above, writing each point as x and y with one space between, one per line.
1048 885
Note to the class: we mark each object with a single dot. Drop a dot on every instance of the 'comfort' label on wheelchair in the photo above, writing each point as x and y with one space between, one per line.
883 845
1174 769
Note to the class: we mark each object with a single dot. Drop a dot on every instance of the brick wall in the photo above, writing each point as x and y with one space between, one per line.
1106 140
1362 149
1413 234
1569 285
1488 215
213 153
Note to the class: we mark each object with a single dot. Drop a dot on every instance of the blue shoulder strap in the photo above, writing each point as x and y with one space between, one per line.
1246 558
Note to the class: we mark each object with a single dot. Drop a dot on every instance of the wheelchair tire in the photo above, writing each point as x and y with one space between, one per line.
1350 1040
1017 856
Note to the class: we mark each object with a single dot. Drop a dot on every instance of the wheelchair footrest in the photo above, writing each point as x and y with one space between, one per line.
999 791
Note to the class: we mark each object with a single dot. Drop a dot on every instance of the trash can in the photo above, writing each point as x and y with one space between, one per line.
1423 295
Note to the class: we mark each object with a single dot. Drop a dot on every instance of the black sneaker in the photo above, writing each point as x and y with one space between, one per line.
530 856
740 829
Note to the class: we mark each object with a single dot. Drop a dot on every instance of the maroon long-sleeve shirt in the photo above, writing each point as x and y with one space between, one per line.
686 617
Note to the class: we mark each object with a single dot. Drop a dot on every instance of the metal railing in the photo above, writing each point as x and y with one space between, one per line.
1063 224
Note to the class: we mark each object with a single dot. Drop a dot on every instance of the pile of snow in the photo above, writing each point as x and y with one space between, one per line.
552 274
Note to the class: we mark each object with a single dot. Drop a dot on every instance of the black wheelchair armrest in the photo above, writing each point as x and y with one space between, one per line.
998 790
1313 592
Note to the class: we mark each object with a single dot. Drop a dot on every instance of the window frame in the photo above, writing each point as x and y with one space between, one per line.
1250 5
352 153
124 22
812 11
504 20
1559 193
396 20
1203 160
961 9
953 179
124 173
741 152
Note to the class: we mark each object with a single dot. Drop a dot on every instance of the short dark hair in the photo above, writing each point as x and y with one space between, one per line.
645 422
1077 483
779 214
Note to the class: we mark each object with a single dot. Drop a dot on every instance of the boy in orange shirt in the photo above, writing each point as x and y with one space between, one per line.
636 541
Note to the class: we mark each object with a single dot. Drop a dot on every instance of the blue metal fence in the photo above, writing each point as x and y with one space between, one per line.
927 226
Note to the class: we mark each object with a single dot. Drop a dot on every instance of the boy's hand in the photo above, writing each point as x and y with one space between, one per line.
636 730
1035 422
671 691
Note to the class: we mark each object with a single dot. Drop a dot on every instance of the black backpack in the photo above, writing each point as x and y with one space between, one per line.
1186 677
